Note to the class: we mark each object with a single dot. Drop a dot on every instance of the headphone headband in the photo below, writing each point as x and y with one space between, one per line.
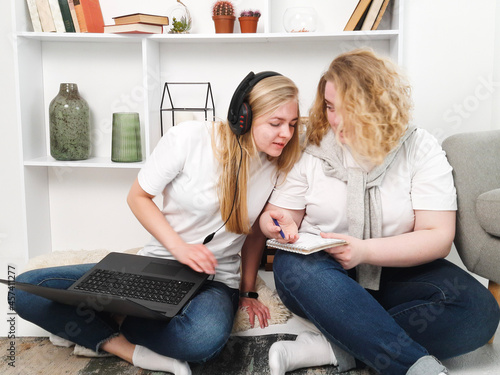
240 114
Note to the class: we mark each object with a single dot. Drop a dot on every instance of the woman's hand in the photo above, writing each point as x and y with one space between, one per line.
349 255
255 308
196 256
431 239
287 225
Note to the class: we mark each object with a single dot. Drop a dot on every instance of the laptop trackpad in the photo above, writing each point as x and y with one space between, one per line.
162 269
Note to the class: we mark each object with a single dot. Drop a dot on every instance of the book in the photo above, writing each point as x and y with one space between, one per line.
372 14
72 10
35 18
66 16
82 24
89 16
141 17
380 14
134 28
306 244
357 15
57 16
45 15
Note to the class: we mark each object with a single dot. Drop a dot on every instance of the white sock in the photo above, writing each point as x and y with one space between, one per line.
149 360
59 341
86 352
310 349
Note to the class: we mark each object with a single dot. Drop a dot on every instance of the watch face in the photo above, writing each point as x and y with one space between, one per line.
253 295
249 295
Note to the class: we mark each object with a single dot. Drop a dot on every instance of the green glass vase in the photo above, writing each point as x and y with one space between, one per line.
69 124
126 138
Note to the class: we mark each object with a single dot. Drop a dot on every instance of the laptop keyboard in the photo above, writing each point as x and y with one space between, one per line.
135 286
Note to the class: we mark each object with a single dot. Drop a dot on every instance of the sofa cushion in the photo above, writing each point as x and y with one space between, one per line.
488 211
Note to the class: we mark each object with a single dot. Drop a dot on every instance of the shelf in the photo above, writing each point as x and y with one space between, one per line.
126 72
96 162
276 37
211 38
81 37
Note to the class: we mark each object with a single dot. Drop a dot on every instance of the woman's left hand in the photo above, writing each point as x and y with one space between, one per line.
349 255
255 308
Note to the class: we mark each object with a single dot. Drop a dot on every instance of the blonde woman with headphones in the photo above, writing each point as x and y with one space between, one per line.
215 179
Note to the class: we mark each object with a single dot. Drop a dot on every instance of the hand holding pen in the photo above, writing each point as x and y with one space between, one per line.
281 227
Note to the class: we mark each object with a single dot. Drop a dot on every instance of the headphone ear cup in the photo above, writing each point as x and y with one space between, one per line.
244 119
240 114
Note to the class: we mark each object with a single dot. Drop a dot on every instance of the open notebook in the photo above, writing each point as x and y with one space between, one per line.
306 244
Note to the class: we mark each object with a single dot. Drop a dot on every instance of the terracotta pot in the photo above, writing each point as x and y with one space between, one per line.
248 24
224 24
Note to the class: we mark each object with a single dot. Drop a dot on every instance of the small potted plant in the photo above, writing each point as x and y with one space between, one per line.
180 27
248 21
183 24
223 16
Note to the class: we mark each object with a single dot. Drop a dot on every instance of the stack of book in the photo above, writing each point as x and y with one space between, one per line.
367 15
138 23
61 16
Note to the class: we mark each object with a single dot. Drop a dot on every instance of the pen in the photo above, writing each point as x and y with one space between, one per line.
281 231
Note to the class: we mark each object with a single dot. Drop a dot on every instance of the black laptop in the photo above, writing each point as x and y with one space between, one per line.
128 284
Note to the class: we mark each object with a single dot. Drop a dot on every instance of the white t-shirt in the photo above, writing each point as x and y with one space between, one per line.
184 169
419 179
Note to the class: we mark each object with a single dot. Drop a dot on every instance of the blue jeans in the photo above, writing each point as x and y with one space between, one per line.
434 309
197 334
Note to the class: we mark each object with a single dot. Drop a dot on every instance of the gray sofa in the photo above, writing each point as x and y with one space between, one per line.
475 158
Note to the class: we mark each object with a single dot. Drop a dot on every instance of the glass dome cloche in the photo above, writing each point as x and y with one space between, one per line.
300 20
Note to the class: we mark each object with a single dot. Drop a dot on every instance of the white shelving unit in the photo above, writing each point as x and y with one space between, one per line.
127 72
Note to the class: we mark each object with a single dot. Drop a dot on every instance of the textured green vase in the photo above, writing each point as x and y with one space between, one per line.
69 124
126 138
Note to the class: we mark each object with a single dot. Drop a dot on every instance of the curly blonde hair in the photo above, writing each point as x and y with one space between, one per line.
373 101
264 99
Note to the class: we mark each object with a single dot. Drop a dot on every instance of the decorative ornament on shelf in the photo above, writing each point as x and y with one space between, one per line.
300 20
69 124
248 21
223 16
126 138
181 19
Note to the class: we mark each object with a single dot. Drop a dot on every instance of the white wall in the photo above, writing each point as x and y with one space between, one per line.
451 54
496 72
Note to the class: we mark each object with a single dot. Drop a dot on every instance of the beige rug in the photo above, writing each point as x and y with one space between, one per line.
241 356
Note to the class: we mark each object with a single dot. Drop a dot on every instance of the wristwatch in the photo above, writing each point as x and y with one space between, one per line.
254 295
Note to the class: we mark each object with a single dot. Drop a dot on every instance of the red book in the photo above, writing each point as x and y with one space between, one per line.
89 16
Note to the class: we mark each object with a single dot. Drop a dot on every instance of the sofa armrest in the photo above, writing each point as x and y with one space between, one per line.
488 211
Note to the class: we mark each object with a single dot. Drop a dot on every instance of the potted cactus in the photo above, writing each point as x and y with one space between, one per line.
248 21
223 16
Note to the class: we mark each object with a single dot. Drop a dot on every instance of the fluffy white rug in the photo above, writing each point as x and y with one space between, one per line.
279 313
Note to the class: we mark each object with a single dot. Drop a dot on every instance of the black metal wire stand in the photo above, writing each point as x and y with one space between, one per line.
173 108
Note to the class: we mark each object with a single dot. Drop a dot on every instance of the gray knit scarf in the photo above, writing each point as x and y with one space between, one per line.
364 211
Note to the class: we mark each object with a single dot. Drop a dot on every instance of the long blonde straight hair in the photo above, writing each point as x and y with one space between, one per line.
265 98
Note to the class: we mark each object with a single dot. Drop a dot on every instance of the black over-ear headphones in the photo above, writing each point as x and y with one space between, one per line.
240 121
240 113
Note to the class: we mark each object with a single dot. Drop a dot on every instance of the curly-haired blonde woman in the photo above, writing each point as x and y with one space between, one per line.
387 299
